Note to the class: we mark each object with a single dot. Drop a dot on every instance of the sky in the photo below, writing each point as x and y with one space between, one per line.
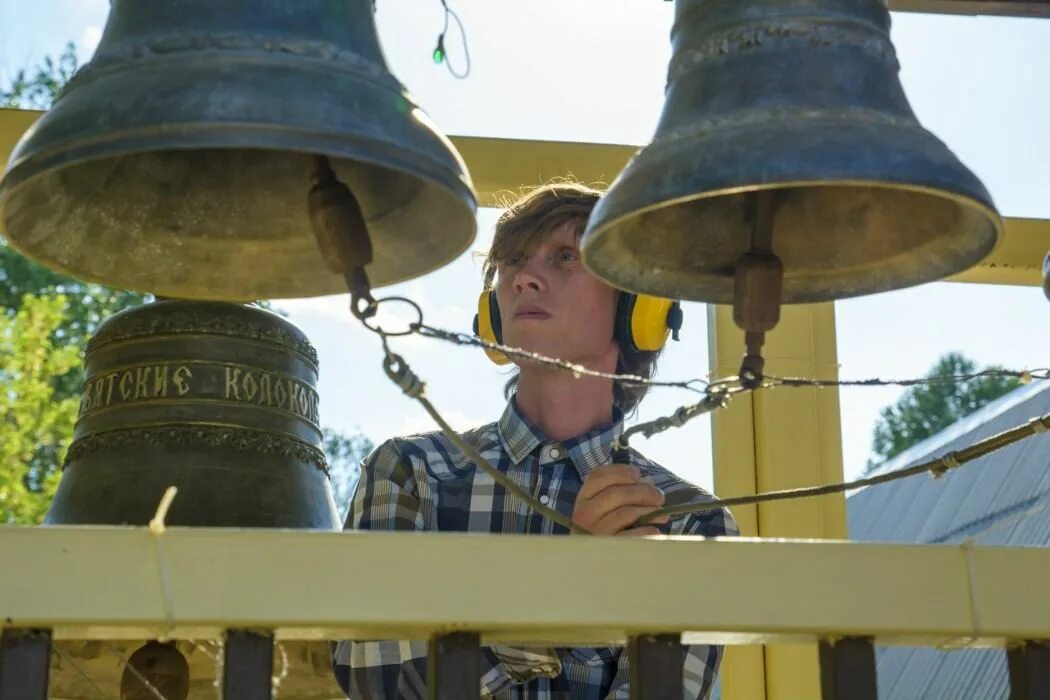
594 70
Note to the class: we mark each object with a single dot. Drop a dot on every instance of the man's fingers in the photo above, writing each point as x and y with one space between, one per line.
620 519
604 477
626 495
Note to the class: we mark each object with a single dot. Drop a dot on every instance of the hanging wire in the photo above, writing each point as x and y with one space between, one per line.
440 55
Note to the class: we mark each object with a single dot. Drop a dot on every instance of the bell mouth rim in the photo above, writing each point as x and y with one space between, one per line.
458 187
990 213
604 227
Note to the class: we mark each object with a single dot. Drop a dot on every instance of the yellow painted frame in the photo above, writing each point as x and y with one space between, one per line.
315 585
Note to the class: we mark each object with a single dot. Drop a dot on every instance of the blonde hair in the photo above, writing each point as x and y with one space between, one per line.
533 217
528 221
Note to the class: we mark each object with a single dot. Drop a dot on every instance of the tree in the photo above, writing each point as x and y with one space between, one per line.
927 409
38 90
37 426
345 453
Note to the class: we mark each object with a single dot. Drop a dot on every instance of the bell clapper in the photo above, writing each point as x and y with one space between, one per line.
342 235
758 288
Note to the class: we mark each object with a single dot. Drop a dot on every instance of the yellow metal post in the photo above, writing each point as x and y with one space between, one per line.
779 439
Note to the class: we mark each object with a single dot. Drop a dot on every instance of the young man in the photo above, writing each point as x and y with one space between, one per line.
555 438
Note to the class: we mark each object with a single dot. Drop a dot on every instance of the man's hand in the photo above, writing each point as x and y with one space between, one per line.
612 498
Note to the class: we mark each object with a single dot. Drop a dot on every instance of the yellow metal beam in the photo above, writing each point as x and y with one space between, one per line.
768 441
1004 8
14 123
502 167
311 585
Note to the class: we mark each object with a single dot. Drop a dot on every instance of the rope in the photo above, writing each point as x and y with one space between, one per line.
157 529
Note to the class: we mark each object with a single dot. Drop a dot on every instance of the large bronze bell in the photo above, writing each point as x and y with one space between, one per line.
799 99
216 399
177 161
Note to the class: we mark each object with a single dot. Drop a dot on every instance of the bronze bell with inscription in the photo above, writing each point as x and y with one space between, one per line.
177 161
214 398
787 146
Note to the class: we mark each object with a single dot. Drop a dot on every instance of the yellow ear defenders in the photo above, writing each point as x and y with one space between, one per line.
642 323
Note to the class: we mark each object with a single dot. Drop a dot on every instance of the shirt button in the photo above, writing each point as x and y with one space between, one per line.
554 453
545 499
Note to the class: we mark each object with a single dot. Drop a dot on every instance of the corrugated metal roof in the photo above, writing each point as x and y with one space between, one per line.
1000 499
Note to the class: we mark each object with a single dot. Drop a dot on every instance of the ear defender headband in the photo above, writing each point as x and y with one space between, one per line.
642 323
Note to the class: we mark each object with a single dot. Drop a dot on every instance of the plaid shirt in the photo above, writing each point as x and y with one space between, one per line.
424 483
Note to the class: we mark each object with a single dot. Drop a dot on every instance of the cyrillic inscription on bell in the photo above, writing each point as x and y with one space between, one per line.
178 160
216 399
800 99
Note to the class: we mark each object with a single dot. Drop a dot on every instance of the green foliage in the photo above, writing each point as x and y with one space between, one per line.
926 410
38 89
37 425
88 305
345 453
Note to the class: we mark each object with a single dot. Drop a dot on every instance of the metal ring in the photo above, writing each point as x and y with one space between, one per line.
369 309
412 327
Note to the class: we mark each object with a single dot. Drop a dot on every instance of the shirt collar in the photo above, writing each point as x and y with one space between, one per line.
520 438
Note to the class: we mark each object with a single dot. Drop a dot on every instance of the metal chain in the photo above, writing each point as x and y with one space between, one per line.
937 467
696 384
401 374
576 370
716 395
